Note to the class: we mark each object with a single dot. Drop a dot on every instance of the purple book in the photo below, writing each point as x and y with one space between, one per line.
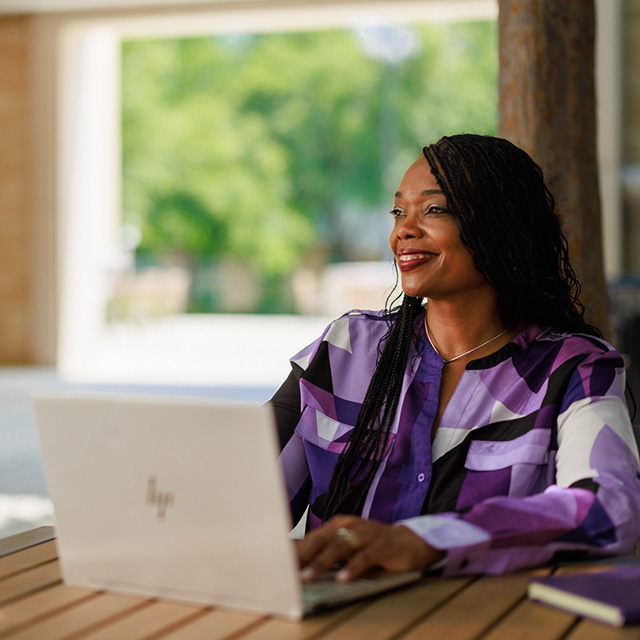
611 595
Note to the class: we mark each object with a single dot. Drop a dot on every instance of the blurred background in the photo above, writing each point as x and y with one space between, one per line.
191 191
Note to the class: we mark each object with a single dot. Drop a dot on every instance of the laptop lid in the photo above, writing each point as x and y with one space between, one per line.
177 498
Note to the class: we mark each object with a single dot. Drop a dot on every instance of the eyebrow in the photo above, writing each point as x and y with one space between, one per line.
426 192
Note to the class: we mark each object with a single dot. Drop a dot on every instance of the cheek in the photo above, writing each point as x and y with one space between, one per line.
457 255
466 267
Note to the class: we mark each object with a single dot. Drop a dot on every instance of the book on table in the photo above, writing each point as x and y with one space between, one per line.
610 595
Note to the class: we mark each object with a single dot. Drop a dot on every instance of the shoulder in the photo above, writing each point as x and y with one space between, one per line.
537 346
581 364
563 344
357 324
541 354
357 331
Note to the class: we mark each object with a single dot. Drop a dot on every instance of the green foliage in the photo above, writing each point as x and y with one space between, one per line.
199 176
255 146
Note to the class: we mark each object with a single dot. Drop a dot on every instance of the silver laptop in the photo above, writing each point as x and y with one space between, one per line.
178 498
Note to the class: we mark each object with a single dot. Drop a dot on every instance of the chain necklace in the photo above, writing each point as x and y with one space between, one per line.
466 353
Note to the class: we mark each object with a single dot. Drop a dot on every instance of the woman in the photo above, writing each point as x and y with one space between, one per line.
482 426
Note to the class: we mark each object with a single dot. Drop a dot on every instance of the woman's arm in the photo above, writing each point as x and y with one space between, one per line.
592 508
286 408
286 405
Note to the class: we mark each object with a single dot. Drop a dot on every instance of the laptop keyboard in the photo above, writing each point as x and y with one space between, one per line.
326 592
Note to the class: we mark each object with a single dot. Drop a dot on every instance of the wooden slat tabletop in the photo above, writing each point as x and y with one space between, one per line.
34 604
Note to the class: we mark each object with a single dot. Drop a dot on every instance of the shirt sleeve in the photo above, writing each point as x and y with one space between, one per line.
593 508
287 407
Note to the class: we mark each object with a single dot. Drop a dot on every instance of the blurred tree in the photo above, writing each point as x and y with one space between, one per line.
200 178
261 146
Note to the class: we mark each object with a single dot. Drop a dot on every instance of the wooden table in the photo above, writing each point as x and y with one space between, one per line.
35 604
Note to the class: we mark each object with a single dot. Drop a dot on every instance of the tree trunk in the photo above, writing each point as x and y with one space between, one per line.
547 107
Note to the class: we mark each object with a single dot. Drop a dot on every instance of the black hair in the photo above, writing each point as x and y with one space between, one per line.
508 219
358 463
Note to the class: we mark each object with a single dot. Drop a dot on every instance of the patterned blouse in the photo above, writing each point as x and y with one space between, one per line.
534 457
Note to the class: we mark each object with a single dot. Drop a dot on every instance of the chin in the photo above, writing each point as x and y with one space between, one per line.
413 287
413 292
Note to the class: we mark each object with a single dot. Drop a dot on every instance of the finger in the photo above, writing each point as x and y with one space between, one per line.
311 544
367 558
393 549
331 547
331 554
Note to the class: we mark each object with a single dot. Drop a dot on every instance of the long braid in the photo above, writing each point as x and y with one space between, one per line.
361 458
508 218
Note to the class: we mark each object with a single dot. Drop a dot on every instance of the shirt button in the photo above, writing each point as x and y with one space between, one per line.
421 477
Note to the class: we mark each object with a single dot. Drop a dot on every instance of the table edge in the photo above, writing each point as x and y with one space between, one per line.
26 539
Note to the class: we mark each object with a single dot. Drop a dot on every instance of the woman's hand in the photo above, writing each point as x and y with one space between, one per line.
360 545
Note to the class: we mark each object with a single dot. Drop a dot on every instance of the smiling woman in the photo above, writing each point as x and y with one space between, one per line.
431 256
489 430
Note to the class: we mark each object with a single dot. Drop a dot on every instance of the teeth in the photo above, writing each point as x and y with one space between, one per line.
412 256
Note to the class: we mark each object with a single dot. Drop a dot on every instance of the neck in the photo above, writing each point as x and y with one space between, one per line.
472 331
464 353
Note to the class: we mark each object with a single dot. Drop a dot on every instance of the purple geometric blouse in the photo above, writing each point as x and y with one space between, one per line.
534 457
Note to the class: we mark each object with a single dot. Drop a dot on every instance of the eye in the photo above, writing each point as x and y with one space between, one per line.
437 210
396 212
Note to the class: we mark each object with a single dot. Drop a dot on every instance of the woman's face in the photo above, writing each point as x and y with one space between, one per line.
433 261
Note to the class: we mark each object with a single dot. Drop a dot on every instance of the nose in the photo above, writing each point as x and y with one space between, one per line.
407 227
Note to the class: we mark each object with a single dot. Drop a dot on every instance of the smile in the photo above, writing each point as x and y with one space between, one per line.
409 261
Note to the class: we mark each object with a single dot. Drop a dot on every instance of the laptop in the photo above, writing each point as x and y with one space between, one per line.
178 498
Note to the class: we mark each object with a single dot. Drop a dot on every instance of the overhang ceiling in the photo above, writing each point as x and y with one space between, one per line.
57 6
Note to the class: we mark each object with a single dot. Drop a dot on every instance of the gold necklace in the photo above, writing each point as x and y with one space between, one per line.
466 353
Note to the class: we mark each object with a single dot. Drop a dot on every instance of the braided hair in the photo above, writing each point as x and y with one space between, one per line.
359 461
507 217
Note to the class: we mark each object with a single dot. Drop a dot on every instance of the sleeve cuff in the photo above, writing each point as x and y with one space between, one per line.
465 544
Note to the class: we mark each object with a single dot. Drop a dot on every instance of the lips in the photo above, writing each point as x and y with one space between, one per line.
408 259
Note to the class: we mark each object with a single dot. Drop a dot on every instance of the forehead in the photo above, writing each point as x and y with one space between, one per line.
418 181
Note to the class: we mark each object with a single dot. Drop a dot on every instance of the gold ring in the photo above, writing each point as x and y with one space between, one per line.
349 537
